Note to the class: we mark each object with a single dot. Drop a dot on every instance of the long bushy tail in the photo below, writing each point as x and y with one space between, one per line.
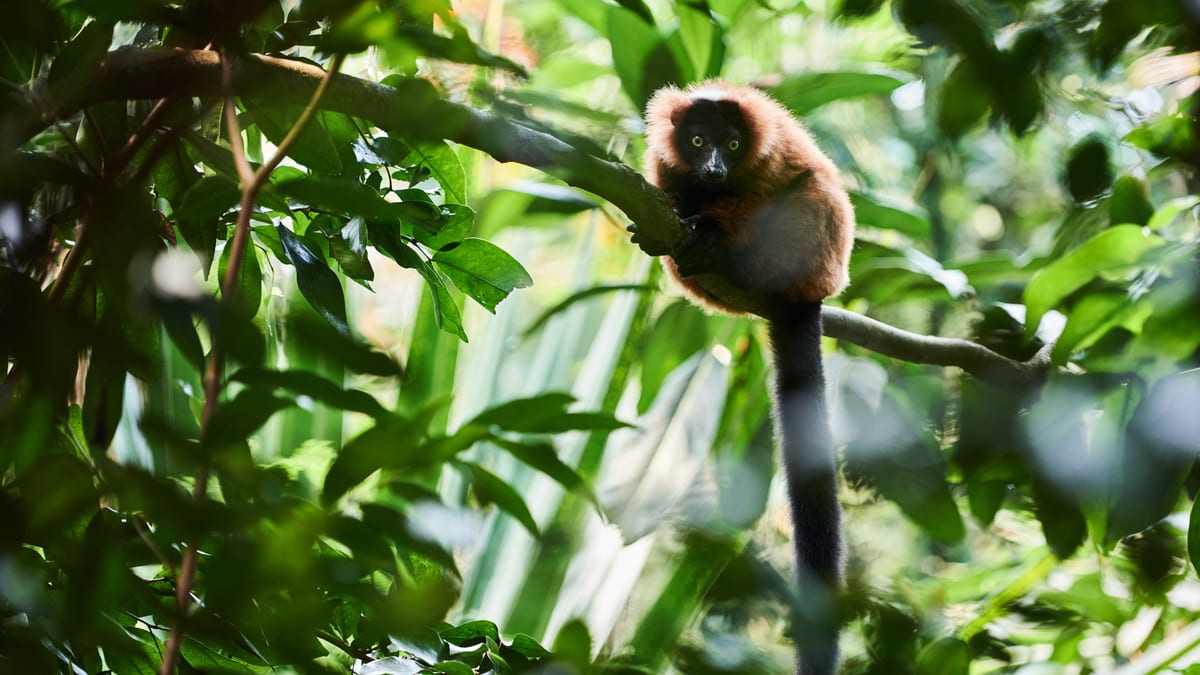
802 428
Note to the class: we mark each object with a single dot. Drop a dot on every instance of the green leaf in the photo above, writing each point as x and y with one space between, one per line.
315 148
439 161
211 196
72 70
1088 170
199 210
233 421
483 271
349 197
544 414
528 647
874 210
965 100
1129 202
1110 251
586 294
385 445
247 291
544 458
318 284
313 386
644 61
445 310
1062 519
703 39
805 93
489 489
1168 212
947 656
471 633
452 229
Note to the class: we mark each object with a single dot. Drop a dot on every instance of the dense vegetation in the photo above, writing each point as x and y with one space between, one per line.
298 378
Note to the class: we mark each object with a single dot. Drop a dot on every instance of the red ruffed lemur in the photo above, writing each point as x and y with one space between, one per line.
764 208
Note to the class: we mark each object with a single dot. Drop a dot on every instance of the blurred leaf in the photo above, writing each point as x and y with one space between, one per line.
318 284
1160 451
489 489
312 385
1061 517
585 294
681 331
804 93
1088 170
1109 251
1130 202
703 39
1168 212
947 656
644 60
544 458
482 270
72 70
901 462
388 444
965 99
233 421
873 210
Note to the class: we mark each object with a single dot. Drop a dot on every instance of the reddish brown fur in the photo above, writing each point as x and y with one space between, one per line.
798 231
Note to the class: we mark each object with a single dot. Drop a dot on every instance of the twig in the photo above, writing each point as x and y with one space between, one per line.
252 183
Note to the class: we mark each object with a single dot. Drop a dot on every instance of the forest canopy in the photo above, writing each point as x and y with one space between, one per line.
324 347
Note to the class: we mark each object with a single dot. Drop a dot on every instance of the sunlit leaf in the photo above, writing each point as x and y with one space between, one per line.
1112 250
483 271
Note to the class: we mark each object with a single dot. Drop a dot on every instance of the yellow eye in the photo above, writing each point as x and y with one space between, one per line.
697 141
733 145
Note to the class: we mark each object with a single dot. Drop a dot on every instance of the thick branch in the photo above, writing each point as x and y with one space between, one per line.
414 109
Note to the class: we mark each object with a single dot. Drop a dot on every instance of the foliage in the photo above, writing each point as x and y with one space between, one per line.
289 457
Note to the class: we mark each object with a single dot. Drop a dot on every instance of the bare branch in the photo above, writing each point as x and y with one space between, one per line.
415 110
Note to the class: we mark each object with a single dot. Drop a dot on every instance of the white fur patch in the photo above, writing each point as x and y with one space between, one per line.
709 94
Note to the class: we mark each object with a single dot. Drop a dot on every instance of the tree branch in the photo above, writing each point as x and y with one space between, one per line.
414 109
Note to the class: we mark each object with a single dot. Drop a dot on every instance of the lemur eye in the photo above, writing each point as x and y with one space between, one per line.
733 145
697 141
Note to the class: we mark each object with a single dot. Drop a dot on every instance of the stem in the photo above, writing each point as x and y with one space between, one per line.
252 183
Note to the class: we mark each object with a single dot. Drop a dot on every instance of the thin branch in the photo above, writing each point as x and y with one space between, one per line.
415 110
252 184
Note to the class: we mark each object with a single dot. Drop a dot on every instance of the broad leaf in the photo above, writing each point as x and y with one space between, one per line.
318 284
1113 250
805 93
490 489
483 271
